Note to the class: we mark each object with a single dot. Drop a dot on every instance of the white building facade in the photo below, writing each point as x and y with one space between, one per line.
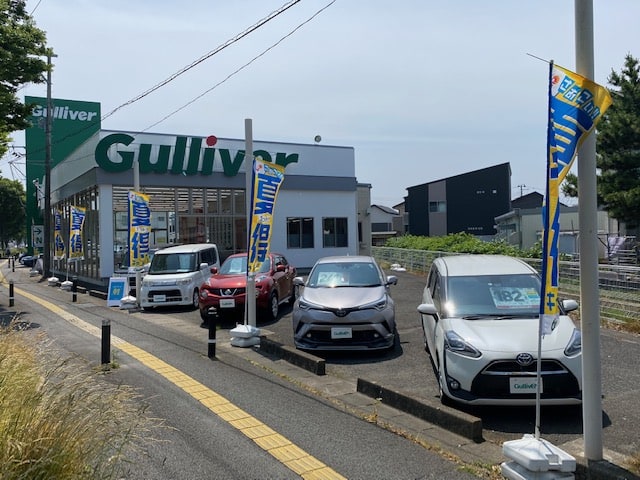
196 187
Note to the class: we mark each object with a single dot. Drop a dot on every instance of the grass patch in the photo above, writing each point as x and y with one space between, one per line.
59 420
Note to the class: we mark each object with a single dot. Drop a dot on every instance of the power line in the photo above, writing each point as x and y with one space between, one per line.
208 55
36 7
242 67
221 47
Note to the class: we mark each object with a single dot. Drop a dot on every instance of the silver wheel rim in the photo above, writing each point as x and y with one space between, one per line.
195 298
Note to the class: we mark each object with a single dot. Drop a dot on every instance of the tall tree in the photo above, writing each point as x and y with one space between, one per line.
22 46
618 145
12 211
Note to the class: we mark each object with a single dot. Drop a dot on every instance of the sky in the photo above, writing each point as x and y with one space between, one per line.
422 89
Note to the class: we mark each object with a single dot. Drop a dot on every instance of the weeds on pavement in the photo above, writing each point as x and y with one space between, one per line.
59 419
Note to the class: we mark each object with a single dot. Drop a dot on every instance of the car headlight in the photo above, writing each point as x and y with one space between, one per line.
184 281
574 347
455 343
378 304
305 305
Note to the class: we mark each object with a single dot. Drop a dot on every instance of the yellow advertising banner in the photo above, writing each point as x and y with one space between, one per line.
267 178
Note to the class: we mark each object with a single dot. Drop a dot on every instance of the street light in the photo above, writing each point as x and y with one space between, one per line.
46 260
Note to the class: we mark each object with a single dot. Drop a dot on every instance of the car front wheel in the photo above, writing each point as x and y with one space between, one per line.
195 298
274 307
444 399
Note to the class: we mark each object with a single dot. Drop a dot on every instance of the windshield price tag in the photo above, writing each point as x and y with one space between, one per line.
515 297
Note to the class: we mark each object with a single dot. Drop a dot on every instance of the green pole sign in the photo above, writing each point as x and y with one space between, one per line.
73 123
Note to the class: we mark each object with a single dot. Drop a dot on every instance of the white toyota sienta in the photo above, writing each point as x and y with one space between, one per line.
480 320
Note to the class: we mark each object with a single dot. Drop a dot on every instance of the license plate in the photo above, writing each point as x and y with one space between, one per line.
159 298
523 385
341 332
227 302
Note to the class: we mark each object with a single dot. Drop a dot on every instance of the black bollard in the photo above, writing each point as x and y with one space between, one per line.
106 341
74 290
11 297
13 264
211 320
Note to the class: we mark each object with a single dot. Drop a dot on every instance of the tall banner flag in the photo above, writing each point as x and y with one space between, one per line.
267 178
76 226
139 229
576 105
58 243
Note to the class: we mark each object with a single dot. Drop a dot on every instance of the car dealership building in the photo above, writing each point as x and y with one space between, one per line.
196 187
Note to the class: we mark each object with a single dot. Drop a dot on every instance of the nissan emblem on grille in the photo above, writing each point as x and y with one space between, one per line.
524 359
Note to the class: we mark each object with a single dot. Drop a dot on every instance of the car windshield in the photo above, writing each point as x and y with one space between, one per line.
173 263
493 295
343 274
238 266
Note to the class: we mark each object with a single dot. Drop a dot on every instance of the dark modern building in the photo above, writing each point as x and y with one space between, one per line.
469 203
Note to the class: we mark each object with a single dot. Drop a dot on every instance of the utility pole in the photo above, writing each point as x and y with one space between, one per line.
46 262
587 216
521 187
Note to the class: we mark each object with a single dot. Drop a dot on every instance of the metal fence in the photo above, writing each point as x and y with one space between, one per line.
619 284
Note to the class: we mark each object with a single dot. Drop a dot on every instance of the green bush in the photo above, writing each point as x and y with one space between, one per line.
462 243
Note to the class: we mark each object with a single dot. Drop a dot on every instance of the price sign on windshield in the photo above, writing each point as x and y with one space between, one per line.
514 297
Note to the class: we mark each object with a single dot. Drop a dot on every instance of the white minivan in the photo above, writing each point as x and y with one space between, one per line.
176 273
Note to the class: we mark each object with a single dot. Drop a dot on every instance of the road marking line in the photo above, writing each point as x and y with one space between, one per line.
279 447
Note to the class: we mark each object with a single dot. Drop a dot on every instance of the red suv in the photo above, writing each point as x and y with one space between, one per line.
226 288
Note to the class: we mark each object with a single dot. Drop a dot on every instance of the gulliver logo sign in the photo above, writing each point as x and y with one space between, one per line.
72 123
188 156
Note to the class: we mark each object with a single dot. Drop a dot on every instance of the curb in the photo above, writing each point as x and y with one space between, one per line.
296 357
460 423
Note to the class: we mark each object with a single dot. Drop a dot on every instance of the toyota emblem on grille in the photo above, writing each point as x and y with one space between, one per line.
341 312
524 359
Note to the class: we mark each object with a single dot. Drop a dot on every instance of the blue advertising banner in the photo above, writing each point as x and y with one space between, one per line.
576 105
58 243
267 178
139 229
76 226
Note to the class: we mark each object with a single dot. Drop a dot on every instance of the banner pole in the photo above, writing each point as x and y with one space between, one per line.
250 309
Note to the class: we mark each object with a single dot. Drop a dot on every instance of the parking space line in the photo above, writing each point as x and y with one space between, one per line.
279 447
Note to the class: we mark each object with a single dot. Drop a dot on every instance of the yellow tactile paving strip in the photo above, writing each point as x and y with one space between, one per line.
290 455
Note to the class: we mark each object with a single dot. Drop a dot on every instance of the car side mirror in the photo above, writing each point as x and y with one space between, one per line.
392 280
281 268
428 309
213 270
569 305
298 281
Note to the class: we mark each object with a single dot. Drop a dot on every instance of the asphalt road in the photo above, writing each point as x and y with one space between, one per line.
194 443
408 368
